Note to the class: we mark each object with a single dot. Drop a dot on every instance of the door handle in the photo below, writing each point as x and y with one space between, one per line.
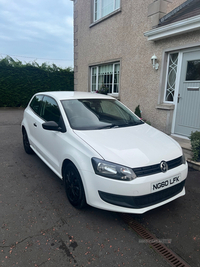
178 98
35 124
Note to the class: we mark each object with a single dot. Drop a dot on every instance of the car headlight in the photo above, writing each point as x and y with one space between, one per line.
112 170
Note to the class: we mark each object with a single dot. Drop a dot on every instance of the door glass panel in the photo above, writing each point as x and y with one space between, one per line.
171 77
36 104
193 70
51 111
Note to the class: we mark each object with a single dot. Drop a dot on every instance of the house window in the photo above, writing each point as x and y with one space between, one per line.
105 76
171 77
104 7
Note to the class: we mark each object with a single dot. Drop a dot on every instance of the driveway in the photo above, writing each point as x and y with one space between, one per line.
179 221
40 228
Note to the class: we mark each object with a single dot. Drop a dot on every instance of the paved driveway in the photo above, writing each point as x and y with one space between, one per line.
179 221
40 228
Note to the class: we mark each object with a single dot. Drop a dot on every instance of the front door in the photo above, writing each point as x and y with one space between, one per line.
188 101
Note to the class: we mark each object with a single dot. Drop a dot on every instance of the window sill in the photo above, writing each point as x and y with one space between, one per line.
104 18
165 106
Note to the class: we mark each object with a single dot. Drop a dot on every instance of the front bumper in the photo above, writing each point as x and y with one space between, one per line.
139 202
135 196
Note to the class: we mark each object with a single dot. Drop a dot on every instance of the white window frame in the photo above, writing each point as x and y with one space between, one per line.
97 78
100 3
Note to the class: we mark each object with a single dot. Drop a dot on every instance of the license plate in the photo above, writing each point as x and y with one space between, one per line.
160 185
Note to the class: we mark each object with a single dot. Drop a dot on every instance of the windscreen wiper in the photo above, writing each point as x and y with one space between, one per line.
108 126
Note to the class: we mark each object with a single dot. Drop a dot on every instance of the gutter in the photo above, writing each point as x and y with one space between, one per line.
173 29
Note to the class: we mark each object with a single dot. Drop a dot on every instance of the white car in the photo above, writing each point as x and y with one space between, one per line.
107 156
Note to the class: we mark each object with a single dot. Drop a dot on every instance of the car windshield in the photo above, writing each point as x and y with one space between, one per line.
95 114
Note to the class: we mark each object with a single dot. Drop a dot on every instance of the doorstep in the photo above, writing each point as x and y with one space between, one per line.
186 146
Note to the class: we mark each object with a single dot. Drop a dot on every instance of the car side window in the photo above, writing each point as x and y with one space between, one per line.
50 110
36 104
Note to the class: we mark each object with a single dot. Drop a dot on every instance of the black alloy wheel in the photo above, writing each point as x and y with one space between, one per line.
26 143
74 186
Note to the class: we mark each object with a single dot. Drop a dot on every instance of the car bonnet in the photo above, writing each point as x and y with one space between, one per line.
135 146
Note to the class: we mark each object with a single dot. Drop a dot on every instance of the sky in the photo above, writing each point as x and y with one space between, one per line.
37 30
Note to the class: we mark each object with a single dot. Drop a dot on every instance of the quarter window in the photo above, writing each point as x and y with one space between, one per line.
104 7
105 77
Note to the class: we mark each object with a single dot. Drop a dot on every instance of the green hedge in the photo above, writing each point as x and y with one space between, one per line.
19 82
195 144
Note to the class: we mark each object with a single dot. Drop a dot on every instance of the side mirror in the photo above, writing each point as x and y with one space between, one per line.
51 126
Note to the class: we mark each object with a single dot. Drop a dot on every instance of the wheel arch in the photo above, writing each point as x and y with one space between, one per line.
23 129
64 164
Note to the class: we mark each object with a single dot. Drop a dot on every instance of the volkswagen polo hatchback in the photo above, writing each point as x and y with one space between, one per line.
107 156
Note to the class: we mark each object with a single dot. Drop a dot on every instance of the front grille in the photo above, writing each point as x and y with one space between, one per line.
153 169
142 201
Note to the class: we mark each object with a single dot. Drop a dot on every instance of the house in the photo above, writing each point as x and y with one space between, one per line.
146 53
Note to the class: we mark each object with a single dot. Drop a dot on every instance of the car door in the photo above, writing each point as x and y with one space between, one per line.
50 143
33 119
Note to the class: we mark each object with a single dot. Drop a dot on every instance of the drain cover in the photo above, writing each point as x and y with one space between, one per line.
165 252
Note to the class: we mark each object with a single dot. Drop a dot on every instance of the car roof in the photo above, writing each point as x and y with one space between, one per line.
63 95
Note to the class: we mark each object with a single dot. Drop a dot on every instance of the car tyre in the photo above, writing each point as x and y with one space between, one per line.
74 186
26 143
